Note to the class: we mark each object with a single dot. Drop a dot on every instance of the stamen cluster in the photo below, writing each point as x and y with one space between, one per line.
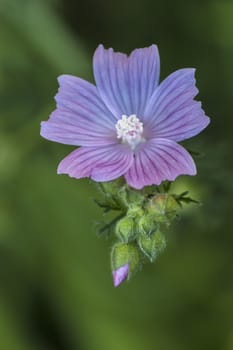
130 130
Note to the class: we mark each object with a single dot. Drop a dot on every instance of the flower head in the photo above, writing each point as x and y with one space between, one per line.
128 124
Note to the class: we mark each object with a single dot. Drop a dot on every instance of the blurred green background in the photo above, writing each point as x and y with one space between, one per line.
56 289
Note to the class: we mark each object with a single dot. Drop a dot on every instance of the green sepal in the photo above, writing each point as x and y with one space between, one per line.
146 224
130 197
125 229
123 253
152 245
111 192
112 187
163 207
135 212
184 198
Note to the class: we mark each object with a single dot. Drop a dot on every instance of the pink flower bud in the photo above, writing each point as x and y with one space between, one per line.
120 275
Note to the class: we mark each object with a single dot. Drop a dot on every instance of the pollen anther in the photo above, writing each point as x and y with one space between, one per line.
130 130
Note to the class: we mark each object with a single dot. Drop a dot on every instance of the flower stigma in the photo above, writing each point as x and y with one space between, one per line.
129 130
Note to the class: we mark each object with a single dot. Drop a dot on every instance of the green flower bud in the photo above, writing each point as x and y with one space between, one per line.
112 192
146 224
152 245
125 254
135 211
125 229
163 207
135 197
130 197
112 187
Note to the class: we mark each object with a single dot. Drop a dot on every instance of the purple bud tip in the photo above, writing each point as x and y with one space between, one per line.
120 275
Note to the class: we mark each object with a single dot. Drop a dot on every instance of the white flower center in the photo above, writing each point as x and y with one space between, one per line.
130 130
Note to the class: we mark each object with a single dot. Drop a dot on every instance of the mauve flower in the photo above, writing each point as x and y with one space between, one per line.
128 124
120 275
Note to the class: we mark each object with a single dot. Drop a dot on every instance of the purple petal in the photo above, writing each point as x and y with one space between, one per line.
182 124
172 113
144 71
120 275
81 117
66 127
126 84
158 160
101 164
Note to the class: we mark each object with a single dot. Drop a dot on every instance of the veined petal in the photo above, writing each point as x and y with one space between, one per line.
158 160
64 126
81 118
81 97
183 123
172 106
101 164
126 83
144 72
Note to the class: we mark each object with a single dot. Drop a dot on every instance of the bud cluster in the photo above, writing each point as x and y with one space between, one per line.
140 232
139 229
